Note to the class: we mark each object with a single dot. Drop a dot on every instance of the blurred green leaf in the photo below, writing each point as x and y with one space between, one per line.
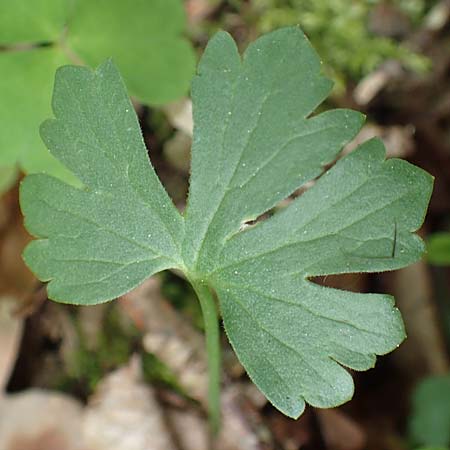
22 21
430 418
25 89
143 37
438 246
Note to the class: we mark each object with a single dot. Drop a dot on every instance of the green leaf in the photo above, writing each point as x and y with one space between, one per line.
21 22
25 89
430 418
255 143
156 60
438 247
345 223
107 238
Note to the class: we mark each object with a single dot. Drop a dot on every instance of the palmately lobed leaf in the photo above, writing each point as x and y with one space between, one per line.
255 142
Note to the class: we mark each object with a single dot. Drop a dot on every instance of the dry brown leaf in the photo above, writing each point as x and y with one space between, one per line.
40 420
189 428
371 85
16 280
180 115
171 338
124 414
438 16
399 140
10 335
236 432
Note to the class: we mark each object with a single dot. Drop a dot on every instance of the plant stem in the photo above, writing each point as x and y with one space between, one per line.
211 321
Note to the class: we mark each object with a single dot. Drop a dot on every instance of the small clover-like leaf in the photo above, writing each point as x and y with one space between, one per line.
255 142
144 38
24 25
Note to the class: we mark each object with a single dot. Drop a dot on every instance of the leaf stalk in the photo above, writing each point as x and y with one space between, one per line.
211 321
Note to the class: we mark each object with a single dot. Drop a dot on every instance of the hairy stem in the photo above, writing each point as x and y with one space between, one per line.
211 321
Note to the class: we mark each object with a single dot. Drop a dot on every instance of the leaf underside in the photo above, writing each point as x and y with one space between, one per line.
255 143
